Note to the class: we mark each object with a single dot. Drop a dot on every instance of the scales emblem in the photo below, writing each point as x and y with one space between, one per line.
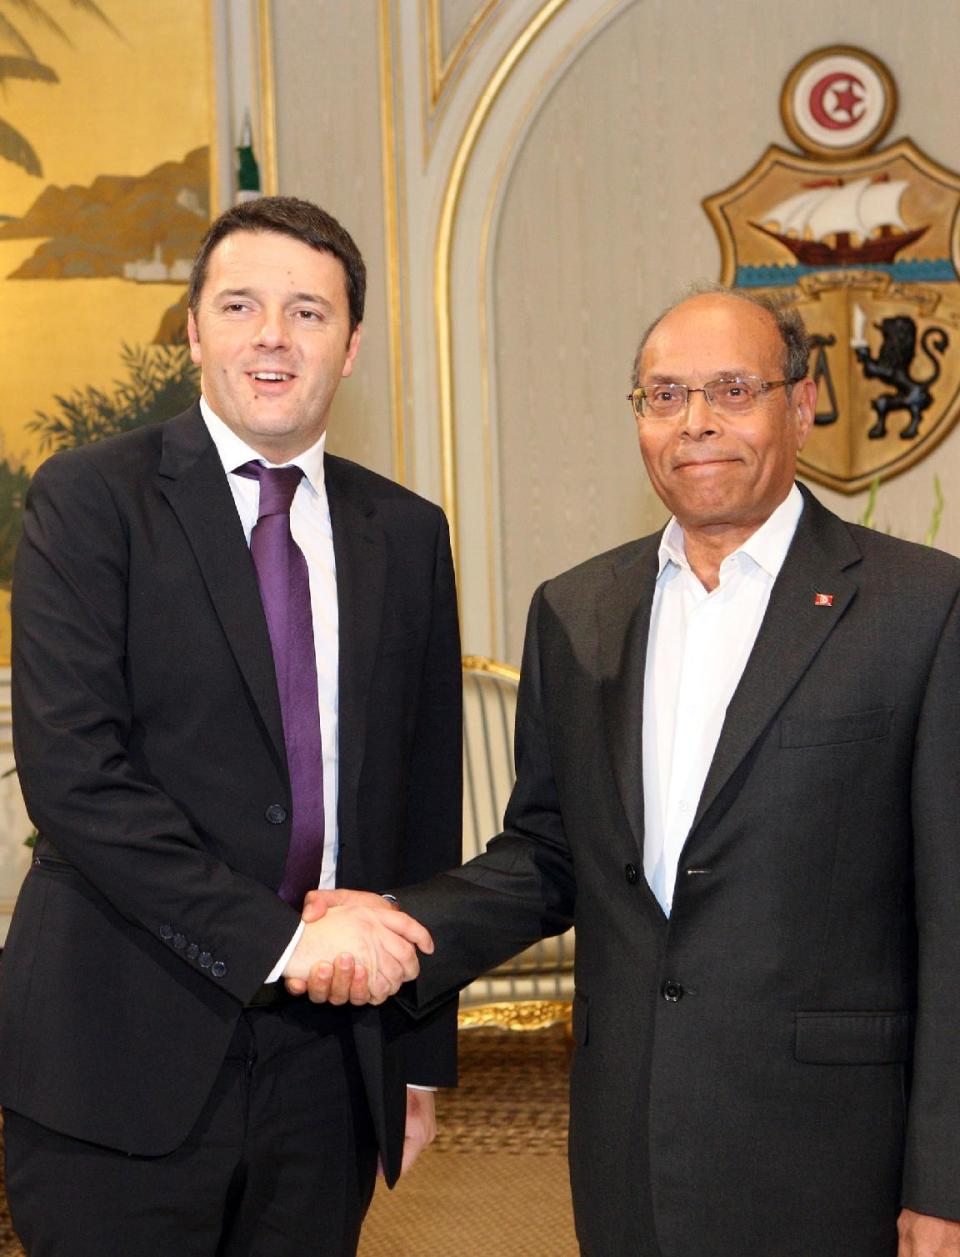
866 244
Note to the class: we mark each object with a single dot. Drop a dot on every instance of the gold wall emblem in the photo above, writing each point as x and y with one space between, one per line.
867 246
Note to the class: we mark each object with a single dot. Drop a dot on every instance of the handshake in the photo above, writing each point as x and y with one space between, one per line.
354 946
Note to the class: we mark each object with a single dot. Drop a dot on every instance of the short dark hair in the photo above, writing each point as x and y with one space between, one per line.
790 326
289 216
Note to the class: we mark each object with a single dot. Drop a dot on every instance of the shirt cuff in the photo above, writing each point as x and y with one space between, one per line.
413 1086
276 973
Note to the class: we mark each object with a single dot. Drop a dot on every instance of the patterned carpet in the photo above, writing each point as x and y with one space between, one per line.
9 1247
495 1182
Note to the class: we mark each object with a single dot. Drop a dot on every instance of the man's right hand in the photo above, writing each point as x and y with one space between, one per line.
342 982
380 939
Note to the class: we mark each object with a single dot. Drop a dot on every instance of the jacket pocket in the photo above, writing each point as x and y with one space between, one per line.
853 1038
854 726
52 864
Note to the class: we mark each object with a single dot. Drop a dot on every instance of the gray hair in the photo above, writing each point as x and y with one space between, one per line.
790 326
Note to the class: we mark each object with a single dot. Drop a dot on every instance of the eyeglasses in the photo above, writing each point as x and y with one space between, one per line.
736 395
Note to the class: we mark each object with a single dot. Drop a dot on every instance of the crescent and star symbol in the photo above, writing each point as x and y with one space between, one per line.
844 106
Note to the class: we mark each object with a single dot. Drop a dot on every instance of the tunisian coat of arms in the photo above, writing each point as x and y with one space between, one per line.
866 244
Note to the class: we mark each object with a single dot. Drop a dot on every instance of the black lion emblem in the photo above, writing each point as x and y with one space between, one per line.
892 366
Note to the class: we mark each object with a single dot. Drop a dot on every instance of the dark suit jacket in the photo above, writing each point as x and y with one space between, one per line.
151 756
776 1067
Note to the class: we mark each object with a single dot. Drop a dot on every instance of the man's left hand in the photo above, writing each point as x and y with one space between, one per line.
421 1128
924 1236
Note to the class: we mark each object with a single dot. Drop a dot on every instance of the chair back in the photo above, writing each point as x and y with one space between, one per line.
543 973
489 712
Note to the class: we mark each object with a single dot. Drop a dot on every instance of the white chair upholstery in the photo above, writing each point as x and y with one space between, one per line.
527 990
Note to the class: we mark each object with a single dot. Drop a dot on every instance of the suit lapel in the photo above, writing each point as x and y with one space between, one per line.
193 481
793 631
623 624
360 552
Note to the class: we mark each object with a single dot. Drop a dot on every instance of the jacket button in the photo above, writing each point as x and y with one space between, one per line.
631 873
179 941
166 932
219 969
192 952
206 960
672 991
276 814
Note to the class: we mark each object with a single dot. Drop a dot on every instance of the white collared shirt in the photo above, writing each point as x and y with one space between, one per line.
311 529
698 647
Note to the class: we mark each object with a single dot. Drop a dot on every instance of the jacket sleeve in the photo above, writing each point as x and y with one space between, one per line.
73 723
931 1180
522 888
434 809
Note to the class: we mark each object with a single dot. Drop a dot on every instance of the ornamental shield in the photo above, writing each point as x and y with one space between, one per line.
866 245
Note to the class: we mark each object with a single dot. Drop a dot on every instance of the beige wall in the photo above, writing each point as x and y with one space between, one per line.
578 216
602 223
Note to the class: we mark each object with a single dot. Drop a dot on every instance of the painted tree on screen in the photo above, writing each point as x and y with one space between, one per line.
19 61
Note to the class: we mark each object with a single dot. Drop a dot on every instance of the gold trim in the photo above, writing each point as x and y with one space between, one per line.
797 133
442 72
495 621
391 221
480 663
433 51
269 180
518 1015
442 258
213 190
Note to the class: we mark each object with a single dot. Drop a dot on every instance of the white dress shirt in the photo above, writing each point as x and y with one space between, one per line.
311 530
698 647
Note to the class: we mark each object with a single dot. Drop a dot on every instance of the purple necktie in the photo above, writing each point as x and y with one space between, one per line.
285 592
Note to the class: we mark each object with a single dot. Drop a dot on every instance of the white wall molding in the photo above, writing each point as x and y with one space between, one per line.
451 185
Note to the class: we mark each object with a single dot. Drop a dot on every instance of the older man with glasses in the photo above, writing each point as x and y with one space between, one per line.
738 753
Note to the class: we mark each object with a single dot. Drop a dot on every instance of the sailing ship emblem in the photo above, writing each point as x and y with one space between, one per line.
866 244
821 224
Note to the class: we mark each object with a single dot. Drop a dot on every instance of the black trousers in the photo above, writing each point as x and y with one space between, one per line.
281 1163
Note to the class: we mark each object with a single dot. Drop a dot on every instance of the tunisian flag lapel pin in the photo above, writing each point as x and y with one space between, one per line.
822 600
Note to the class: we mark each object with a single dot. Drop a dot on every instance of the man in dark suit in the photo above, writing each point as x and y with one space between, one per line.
236 676
738 773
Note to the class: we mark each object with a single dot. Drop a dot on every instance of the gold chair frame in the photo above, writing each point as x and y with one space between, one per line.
534 989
